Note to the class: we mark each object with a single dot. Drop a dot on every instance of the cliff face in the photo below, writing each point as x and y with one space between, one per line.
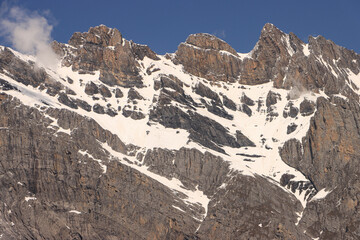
207 56
330 159
278 57
118 142
104 49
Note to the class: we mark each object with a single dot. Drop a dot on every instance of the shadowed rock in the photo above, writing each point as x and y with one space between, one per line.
307 107
205 91
91 88
248 101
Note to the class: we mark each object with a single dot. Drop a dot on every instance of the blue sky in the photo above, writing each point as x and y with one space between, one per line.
164 24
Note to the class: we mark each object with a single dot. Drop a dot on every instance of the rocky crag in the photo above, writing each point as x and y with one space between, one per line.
118 142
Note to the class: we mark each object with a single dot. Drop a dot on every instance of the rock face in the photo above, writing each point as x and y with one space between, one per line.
104 49
307 108
308 66
27 74
330 160
245 203
207 56
205 143
206 131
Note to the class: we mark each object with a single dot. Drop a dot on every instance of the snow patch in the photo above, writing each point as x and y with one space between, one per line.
244 55
321 194
355 79
86 154
286 40
196 197
29 198
74 211
306 50
178 208
300 215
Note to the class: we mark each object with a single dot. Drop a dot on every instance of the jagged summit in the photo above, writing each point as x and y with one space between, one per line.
100 35
207 41
103 49
273 53
270 28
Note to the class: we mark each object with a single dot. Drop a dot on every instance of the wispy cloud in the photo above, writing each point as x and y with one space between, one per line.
28 32
219 33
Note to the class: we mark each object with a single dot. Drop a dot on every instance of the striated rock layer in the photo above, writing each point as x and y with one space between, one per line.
118 142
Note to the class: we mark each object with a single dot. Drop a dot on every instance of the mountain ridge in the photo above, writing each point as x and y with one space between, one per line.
203 127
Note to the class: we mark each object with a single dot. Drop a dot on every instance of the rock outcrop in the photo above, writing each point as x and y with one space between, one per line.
330 159
278 57
57 189
209 57
252 214
104 49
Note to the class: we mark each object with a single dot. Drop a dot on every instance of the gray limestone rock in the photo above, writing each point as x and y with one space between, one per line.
246 100
5 85
111 112
84 105
118 93
291 128
229 103
98 108
133 94
172 82
243 140
307 107
245 108
290 110
91 88
104 91
64 99
59 179
193 168
272 98
69 91
202 129
214 108
251 208
204 91
133 114
142 51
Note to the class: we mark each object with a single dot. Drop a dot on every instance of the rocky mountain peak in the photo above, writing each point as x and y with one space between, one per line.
271 55
330 52
274 42
104 49
324 47
208 41
216 61
270 28
271 31
120 143
99 35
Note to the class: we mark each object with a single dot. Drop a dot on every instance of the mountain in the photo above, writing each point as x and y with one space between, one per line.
118 142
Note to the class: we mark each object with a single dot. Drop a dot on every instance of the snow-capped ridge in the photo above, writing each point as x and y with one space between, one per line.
269 117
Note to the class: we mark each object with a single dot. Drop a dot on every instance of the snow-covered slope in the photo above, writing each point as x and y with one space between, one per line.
267 131
199 123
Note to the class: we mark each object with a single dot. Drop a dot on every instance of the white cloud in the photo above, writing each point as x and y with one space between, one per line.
29 33
219 33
